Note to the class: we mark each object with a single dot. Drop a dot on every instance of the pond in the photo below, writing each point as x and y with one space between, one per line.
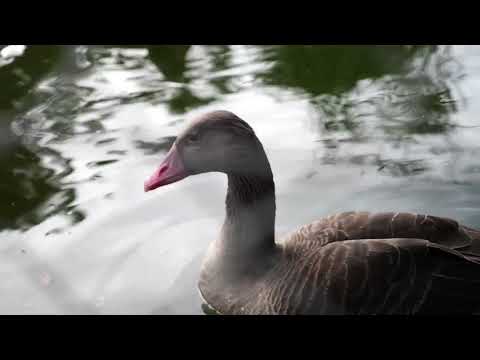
81 127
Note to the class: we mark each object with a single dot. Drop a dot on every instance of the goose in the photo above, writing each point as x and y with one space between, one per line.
348 263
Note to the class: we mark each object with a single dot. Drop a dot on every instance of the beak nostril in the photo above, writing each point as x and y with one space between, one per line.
162 169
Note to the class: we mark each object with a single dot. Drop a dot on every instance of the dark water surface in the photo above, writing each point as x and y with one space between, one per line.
81 127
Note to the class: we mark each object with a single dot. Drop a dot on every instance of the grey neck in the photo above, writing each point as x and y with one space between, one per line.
249 228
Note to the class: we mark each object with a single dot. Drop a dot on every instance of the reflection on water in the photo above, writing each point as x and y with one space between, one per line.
382 127
393 93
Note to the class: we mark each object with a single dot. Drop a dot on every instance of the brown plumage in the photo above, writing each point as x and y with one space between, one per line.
348 263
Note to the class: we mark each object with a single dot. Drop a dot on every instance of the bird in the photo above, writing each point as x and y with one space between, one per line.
349 263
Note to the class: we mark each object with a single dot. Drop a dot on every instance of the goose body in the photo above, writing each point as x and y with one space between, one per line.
347 263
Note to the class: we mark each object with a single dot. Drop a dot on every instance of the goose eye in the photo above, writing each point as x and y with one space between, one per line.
192 138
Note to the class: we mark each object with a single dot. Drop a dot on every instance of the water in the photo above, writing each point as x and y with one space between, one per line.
81 127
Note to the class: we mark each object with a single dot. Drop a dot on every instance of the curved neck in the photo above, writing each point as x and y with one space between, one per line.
246 248
249 227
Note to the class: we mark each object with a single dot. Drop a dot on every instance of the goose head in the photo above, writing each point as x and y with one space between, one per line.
218 141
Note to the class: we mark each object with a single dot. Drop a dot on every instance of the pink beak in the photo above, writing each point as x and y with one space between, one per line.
170 171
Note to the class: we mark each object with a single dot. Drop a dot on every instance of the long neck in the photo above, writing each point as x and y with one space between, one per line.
246 248
249 227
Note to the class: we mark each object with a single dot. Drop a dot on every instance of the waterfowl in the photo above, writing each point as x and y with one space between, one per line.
347 263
